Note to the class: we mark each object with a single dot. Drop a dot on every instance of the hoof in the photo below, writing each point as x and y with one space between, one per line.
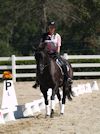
61 113
69 98
47 116
51 116
52 113
35 86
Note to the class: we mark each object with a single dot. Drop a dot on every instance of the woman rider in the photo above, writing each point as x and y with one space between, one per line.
53 41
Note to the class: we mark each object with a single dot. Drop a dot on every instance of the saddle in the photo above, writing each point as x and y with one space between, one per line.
63 67
61 64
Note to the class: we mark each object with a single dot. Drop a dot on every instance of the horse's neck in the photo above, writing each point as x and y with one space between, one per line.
46 59
52 65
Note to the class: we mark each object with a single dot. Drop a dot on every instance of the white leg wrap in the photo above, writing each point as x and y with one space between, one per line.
47 110
62 108
53 104
49 93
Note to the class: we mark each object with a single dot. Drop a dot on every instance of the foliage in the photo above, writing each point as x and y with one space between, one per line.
22 23
5 49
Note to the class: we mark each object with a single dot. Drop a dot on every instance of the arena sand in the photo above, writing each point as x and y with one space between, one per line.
82 115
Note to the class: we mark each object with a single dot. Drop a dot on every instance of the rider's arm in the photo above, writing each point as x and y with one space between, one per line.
58 50
58 43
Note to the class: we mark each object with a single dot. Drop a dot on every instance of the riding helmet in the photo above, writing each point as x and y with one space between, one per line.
52 23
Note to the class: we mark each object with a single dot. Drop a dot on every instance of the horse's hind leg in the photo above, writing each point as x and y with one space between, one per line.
59 95
63 101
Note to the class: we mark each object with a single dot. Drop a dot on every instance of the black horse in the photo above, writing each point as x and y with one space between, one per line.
50 76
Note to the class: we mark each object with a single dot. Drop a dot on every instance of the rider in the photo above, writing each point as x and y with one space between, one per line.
52 36
54 41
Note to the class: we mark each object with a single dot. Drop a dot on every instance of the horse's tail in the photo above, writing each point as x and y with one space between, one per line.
69 92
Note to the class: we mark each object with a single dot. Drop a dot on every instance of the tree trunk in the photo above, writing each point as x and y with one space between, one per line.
44 15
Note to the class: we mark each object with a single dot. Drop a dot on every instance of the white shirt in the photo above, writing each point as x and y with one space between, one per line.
55 38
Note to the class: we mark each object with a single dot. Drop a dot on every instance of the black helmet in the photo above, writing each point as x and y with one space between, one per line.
52 23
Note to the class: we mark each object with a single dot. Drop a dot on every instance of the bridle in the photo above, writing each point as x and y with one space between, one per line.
42 66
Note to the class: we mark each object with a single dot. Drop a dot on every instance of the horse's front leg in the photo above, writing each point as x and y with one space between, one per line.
47 105
45 95
54 92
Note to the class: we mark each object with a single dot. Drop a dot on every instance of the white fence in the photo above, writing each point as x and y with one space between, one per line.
15 67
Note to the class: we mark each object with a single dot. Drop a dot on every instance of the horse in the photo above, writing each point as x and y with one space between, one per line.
50 76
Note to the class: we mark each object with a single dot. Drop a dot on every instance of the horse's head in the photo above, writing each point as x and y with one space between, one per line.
41 52
42 58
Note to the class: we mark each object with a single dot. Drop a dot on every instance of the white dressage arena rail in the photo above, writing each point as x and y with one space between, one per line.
10 110
15 66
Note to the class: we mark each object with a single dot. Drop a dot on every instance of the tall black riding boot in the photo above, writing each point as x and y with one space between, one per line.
66 75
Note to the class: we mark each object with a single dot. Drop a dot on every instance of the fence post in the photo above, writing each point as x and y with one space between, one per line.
66 56
14 67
